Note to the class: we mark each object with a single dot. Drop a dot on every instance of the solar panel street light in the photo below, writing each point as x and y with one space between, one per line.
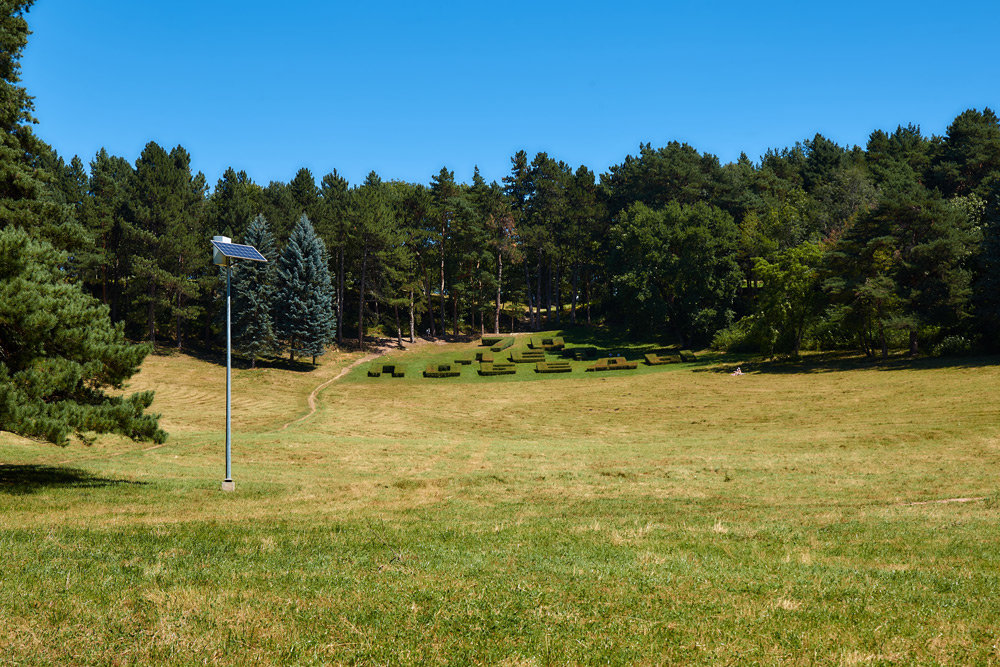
224 251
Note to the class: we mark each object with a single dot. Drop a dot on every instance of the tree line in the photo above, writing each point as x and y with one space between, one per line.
887 246
816 245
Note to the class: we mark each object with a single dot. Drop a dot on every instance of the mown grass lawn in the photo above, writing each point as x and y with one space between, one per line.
663 515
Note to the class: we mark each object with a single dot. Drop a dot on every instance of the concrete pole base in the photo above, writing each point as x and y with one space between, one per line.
228 485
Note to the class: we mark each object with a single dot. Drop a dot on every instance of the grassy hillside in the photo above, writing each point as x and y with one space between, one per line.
666 514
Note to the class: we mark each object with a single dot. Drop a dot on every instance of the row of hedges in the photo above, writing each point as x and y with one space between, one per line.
442 371
660 359
498 368
553 344
502 345
553 367
378 370
536 355
580 353
614 364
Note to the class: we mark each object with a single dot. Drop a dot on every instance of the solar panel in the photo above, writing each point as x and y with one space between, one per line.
239 251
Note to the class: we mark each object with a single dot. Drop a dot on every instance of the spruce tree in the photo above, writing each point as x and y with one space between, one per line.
58 349
303 313
253 295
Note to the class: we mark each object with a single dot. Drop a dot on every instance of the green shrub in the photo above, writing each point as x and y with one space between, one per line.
498 368
442 371
527 356
614 364
553 367
484 356
502 345
579 353
687 355
490 341
394 370
464 362
744 335
554 344
658 360
953 346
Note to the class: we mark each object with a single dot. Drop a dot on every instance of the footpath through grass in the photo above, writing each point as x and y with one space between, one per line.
672 514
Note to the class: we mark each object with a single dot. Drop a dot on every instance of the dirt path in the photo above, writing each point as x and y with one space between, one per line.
315 392
380 350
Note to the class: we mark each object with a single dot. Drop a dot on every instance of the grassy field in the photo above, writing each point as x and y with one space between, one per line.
674 514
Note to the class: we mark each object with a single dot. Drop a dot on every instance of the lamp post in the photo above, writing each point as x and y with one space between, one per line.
224 251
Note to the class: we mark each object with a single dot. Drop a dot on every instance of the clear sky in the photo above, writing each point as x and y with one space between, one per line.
405 88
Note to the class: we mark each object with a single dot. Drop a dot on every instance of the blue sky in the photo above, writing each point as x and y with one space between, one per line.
405 88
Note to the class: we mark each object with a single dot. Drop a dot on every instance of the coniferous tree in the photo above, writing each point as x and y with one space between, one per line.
253 295
26 200
303 312
58 350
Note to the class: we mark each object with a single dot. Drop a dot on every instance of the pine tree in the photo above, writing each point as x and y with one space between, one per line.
253 295
303 313
27 199
58 349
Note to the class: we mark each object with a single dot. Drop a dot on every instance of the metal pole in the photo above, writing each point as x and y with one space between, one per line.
228 485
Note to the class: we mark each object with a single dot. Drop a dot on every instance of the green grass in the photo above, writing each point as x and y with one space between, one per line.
416 360
671 514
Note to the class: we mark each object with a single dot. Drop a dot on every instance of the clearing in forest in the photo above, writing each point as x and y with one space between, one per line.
670 513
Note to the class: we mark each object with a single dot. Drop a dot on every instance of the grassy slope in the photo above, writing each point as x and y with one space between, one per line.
662 515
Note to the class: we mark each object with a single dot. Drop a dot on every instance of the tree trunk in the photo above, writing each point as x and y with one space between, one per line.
430 304
399 330
576 271
361 300
586 295
454 314
340 296
496 319
527 284
538 299
559 294
443 309
412 320
913 343
548 294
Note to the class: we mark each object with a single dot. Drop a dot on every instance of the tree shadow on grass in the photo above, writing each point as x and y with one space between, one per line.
218 358
834 362
19 480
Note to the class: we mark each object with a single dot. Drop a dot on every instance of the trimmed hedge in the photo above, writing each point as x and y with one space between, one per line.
580 353
687 355
442 371
554 344
484 356
490 341
502 345
378 370
553 367
464 362
614 364
527 357
659 359
499 368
